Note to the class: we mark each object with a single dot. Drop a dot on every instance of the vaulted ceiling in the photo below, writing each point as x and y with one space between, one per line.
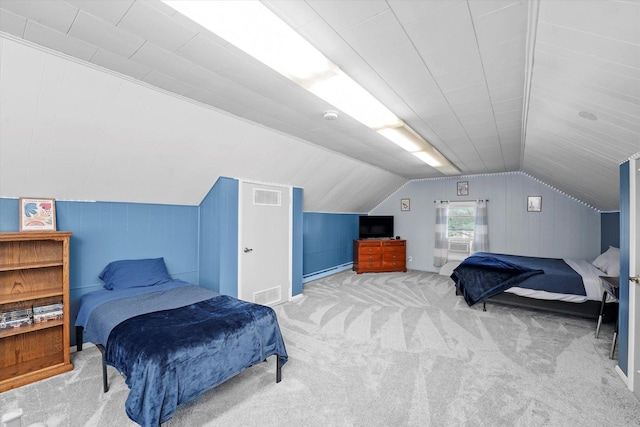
549 87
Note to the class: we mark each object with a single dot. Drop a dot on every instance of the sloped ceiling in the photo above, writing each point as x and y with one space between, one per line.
495 85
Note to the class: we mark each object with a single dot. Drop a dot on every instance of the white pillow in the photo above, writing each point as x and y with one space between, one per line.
609 262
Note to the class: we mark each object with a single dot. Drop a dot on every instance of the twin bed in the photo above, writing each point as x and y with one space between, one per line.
172 340
560 285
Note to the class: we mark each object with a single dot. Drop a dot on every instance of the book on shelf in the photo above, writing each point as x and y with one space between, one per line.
49 315
47 308
44 313
16 318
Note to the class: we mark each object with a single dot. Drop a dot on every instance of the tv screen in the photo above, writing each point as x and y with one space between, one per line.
375 226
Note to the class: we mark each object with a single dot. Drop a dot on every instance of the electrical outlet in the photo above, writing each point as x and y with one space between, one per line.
409 259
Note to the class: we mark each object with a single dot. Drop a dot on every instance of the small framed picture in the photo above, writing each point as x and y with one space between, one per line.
534 203
405 204
37 214
463 188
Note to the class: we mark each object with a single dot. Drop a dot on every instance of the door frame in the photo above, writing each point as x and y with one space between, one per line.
634 269
289 292
630 375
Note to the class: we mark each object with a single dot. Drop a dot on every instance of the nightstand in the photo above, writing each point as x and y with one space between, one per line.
611 287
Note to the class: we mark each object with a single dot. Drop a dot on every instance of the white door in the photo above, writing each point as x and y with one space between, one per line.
265 244
634 272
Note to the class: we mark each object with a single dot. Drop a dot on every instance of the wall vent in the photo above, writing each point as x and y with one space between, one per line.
267 197
460 246
268 296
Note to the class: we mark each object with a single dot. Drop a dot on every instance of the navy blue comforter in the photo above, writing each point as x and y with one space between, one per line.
483 275
171 356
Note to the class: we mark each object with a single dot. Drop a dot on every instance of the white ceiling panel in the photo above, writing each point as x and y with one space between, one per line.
156 27
55 40
111 11
204 51
616 20
102 34
12 23
161 60
119 64
467 75
56 14
346 14
502 25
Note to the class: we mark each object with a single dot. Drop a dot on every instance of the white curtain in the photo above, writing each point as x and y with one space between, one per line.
441 249
481 232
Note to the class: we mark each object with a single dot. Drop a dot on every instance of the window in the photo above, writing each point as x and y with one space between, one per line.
461 220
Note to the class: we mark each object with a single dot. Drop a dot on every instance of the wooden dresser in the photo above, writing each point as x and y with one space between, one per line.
34 278
375 256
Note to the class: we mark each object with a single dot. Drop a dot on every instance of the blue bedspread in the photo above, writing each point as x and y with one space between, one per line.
171 356
483 275
109 308
92 300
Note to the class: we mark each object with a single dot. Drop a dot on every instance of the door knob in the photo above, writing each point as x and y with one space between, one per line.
247 250
635 279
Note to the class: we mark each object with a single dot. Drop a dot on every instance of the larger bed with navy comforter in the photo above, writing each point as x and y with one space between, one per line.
173 340
564 285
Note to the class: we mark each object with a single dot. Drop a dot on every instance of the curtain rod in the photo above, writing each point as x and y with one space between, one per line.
449 201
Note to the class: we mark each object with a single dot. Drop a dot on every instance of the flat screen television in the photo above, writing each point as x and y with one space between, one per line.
375 226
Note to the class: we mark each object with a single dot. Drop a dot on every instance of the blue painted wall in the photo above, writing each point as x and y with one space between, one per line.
625 245
219 238
609 230
328 240
105 232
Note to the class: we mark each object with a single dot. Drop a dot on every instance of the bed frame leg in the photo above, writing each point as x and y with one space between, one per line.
484 306
278 369
79 334
105 383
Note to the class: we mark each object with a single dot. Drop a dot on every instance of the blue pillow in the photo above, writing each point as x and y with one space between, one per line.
135 273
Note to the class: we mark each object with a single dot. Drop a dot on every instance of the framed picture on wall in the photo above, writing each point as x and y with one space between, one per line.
37 214
534 203
463 188
405 204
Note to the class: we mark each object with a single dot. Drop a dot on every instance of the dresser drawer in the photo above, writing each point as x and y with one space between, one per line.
393 256
366 250
393 265
371 265
374 256
393 249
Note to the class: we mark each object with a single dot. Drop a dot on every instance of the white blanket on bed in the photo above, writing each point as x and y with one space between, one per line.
590 278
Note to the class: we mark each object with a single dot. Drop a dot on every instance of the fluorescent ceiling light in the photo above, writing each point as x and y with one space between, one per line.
427 158
253 28
250 26
343 92
402 137
409 140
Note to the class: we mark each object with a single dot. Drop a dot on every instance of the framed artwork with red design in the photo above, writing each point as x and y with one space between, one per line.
37 214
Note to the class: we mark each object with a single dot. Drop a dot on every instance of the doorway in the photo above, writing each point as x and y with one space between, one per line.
265 244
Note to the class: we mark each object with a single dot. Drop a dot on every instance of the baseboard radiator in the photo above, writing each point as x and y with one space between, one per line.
326 272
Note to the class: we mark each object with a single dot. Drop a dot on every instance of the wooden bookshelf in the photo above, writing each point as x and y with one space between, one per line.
34 271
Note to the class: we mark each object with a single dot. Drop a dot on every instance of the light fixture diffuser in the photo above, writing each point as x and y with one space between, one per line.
253 28
343 92
250 26
402 137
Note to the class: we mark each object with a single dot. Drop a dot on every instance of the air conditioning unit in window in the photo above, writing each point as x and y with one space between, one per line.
460 246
